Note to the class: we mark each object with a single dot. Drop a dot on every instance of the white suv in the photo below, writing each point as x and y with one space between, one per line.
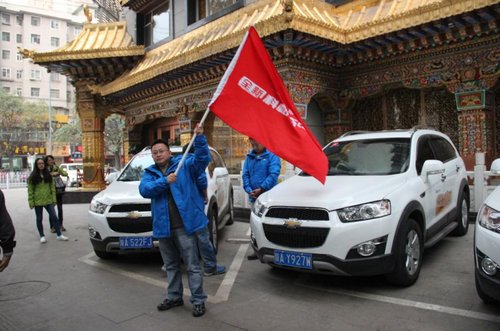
120 218
388 195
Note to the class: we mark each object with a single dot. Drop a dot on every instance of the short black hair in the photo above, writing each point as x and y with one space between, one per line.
160 141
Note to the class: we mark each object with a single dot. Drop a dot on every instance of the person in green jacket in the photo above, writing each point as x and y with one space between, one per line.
42 194
56 172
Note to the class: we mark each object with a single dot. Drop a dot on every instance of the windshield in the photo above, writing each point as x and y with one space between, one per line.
133 171
369 157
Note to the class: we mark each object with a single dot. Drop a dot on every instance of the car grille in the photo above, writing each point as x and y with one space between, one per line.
310 214
128 225
125 208
303 237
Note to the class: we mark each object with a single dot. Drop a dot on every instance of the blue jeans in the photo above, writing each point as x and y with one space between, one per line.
207 250
180 245
52 217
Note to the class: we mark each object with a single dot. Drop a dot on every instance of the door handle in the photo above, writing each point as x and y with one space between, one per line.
443 177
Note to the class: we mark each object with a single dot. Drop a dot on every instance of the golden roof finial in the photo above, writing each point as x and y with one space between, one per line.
87 13
26 53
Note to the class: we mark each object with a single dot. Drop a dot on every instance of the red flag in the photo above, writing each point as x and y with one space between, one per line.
252 99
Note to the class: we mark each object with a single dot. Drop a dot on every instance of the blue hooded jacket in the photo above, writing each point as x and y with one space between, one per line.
260 171
184 190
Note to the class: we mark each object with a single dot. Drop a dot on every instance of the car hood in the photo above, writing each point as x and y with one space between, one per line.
119 192
338 191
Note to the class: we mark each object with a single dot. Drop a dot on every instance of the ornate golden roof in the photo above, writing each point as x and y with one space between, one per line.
357 20
95 41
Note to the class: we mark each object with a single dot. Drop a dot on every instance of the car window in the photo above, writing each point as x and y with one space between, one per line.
368 157
135 168
424 153
443 150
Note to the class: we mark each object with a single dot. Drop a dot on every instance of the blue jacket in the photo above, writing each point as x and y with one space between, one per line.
260 171
185 192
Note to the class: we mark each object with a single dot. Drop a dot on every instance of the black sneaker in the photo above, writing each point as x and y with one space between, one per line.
198 310
167 304
252 257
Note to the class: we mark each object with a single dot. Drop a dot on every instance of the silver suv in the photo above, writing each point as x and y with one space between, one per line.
120 218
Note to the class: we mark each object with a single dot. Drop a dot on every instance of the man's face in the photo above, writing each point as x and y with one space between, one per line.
258 148
161 154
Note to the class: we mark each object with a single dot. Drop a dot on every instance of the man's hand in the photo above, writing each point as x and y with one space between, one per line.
4 262
255 193
171 178
198 129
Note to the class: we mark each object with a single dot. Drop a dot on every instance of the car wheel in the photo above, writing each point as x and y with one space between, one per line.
462 216
408 254
212 227
104 255
231 209
483 295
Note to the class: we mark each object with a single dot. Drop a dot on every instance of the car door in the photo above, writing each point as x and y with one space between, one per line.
433 185
221 178
445 152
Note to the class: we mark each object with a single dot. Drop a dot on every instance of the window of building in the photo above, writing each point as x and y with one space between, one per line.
19 56
19 91
54 41
55 77
35 38
5 54
54 24
36 74
19 74
6 89
5 19
19 19
210 9
6 73
77 30
68 96
156 24
5 36
35 91
54 93
19 38
35 21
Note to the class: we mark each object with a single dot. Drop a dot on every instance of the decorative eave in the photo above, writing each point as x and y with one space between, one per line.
104 45
359 20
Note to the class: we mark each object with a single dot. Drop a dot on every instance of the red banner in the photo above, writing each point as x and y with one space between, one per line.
252 99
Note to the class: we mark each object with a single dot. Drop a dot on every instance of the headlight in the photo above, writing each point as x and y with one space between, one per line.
489 218
97 207
365 211
259 208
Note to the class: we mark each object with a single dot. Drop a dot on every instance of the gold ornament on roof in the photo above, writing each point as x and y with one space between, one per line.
26 53
87 13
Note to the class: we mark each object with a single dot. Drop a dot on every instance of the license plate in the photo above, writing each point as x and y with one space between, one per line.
136 242
293 259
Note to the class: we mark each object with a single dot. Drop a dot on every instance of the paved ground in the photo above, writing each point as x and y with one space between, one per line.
64 286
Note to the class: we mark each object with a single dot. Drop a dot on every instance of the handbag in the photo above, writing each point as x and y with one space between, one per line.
60 186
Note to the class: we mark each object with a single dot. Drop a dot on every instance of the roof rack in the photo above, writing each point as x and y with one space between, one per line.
422 127
352 133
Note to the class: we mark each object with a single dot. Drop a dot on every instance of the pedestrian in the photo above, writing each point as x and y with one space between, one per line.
7 234
177 210
207 250
260 174
42 195
56 172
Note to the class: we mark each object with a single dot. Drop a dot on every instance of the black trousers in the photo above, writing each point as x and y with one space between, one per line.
59 199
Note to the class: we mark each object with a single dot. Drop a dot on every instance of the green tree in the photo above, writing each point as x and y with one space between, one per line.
113 136
70 133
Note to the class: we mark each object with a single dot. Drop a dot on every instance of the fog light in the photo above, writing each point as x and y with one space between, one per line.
92 232
489 267
366 249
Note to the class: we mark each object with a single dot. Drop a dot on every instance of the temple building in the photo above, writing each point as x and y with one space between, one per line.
348 65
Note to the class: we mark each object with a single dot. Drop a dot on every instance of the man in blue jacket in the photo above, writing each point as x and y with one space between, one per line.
177 209
260 173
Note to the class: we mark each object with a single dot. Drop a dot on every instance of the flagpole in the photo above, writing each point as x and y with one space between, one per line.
191 142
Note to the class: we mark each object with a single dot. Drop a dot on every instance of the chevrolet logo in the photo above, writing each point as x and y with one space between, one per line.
292 223
134 215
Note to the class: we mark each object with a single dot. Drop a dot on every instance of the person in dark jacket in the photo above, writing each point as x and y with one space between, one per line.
7 234
56 172
260 173
177 209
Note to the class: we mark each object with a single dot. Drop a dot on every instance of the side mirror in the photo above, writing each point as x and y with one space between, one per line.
495 167
219 172
111 177
432 167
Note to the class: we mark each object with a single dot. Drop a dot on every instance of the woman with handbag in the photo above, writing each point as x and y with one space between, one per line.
42 195
56 172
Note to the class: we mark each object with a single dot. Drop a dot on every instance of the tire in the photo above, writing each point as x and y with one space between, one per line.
104 255
408 249
462 216
212 227
230 221
483 295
